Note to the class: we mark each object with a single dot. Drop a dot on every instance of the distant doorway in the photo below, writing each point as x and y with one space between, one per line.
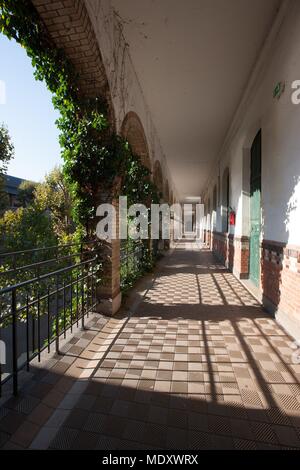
255 209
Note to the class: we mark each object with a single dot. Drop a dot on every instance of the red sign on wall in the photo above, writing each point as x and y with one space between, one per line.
232 218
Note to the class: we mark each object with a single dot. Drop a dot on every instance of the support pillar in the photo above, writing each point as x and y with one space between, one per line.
109 292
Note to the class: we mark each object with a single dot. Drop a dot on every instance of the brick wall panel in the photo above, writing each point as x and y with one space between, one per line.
69 27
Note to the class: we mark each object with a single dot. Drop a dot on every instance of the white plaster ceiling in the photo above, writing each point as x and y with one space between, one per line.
193 59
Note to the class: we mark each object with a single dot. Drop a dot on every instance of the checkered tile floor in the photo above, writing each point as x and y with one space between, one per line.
198 365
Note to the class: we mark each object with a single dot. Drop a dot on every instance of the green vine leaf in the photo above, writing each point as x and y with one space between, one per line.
94 156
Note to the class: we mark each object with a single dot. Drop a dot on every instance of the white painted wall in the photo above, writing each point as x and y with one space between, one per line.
280 124
126 91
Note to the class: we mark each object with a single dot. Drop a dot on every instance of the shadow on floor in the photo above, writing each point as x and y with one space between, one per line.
198 366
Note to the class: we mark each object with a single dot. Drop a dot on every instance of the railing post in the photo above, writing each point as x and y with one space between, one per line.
71 303
82 287
64 308
39 326
93 296
48 319
14 342
82 298
0 361
57 317
27 333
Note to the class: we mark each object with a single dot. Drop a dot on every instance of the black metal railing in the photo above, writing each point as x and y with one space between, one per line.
18 263
41 299
131 262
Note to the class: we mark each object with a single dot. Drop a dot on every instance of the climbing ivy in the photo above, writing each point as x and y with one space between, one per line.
97 161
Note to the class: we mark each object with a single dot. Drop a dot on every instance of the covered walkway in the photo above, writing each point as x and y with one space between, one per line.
197 364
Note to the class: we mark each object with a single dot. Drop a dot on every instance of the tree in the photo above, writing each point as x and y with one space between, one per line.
54 196
7 150
26 228
6 154
4 199
26 193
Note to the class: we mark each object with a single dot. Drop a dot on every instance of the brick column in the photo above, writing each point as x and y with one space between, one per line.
241 257
220 246
109 292
280 280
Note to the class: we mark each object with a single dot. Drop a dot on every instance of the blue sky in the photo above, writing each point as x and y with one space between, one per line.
29 115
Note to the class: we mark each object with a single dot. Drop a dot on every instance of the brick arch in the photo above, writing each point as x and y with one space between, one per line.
69 28
132 130
158 177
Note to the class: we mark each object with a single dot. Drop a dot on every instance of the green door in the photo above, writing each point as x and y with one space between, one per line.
255 209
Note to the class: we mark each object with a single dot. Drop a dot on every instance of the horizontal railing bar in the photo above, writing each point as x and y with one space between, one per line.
22 366
60 298
54 247
43 263
46 296
8 289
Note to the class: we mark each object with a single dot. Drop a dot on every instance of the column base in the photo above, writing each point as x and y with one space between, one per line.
110 306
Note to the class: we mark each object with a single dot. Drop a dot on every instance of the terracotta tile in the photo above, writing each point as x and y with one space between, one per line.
164 375
11 422
179 387
243 444
162 386
115 426
264 432
177 438
139 411
222 443
53 398
40 414
25 434
40 390
158 415
120 408
155 435
134 431
178 418
199 441
242 429
76 419
287 436
95 422
64 439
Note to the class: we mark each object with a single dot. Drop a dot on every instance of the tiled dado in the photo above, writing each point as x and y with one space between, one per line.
280 283
280 274
220 246
233 252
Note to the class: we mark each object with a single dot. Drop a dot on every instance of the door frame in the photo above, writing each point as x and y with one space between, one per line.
256 221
